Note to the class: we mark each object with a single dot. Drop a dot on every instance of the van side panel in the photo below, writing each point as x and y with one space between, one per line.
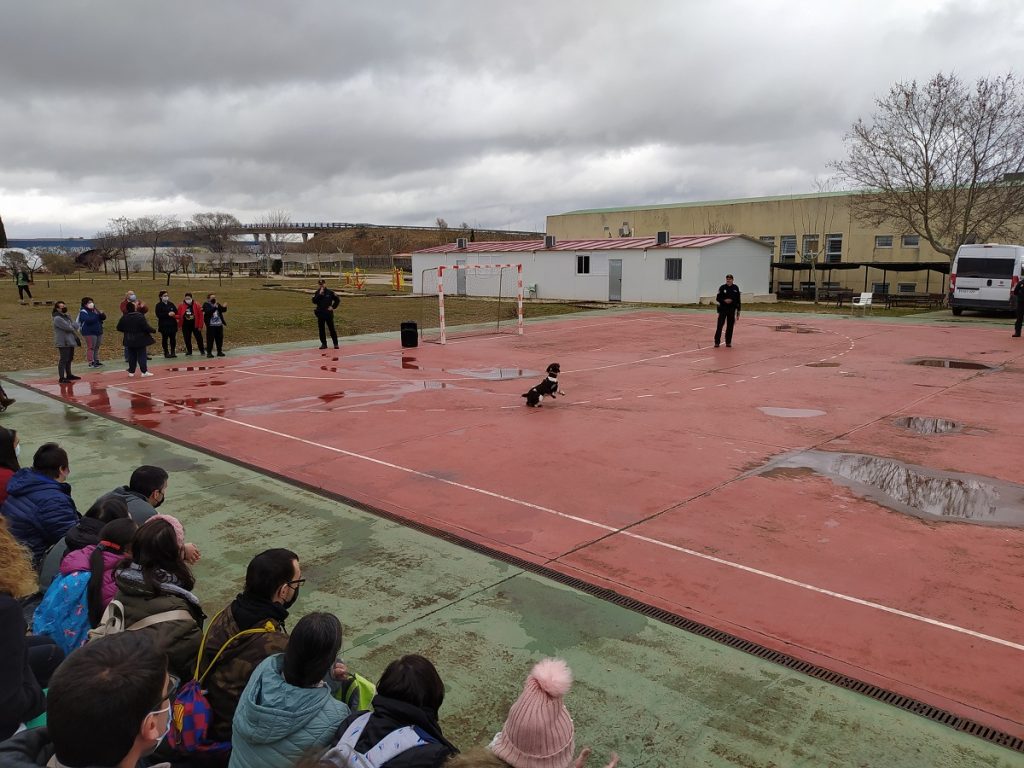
982 277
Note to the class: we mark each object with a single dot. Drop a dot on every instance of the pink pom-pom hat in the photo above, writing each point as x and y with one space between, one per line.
539 732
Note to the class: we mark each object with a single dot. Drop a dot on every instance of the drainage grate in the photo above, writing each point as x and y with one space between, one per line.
941 362
906 703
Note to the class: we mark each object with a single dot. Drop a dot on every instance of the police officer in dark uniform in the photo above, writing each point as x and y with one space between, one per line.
728 310
1018 294
326 302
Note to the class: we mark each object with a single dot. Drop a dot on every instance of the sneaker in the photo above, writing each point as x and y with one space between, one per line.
74 378
210 354
147 373
98 363
131 375
188 354
336 346
323 346
63 381
728 345
221 354
717 346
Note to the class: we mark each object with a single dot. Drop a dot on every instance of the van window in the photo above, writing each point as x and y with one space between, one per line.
976 266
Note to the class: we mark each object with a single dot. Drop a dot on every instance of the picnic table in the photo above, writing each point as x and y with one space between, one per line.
932 300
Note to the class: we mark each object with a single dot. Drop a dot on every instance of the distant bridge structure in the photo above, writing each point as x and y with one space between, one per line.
307 228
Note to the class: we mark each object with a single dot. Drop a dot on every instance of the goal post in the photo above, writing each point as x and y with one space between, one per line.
499 284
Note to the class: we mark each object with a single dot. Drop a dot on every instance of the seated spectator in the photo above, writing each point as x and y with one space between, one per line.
109 706
75 601
26 662
157 580
410 693
272 583
10 447
538 732
39 508
286 709
146 490
86 533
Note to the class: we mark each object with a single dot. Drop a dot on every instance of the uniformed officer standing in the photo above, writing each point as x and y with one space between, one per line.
1018 292
728 310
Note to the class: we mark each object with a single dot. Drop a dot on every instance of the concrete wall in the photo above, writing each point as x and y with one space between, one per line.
643 272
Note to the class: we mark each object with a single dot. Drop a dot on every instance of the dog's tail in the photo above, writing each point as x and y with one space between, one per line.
527 394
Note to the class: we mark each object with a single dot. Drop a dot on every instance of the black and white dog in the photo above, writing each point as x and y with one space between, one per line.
547 388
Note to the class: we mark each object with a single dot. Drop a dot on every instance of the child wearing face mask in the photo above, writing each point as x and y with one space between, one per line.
65 340
190 321
167 324
90 318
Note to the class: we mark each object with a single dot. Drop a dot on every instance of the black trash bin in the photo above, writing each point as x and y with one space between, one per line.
410 335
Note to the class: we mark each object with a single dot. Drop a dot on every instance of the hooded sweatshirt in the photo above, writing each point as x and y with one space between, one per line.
276 723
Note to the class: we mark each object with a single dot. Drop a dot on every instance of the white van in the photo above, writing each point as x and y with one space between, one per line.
984 276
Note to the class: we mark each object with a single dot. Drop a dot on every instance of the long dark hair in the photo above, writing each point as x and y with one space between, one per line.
312 648
107 509
8 458
155 549
115 537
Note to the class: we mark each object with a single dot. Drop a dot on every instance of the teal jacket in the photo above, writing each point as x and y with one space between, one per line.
276 723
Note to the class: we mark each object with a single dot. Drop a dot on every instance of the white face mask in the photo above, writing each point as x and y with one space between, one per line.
90 305
188 301
167 728
132 297
17 450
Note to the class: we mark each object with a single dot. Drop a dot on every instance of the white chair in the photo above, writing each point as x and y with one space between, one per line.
862 302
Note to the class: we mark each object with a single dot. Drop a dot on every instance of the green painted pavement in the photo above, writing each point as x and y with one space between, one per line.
657 695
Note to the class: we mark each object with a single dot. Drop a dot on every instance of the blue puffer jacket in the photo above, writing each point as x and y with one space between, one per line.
276 723
91 321
39 510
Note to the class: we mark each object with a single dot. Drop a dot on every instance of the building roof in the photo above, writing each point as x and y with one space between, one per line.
606 244
702 203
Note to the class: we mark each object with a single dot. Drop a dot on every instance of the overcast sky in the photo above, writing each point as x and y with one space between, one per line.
491 112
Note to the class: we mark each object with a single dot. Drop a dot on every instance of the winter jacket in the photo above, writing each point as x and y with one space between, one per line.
32 749
140 306
21 698
136 330
391 714
228 678
276 723
84 534
209 309
91 321
166 317
64 612
5 476
325 302
64 331
139 508
193 313
179 639
39 511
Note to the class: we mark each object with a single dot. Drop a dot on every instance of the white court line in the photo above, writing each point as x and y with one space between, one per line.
603 527
639 396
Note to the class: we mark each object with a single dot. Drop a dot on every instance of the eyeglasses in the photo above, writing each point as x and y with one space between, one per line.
295 583
172 690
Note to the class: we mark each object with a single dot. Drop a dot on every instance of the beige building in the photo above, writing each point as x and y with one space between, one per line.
801 229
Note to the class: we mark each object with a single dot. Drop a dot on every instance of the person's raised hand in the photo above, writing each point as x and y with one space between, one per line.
584 755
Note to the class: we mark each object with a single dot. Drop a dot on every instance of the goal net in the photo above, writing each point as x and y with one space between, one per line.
472 300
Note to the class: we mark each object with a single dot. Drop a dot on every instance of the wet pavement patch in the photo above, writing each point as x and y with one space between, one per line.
790 413
788 328
911 489
925 425
945 362
822 365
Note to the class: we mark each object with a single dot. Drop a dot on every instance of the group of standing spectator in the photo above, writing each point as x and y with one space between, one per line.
187 317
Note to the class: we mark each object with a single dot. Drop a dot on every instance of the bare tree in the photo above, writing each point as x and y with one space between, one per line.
215 229
172 261
58 262
274 242
718 228
153 230
120 237
14 261
442 229
943 159
816 221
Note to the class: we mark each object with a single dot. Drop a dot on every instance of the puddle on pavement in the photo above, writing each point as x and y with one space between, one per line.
925 425
911 489
821 365
787 328
945 362
493 374
790 413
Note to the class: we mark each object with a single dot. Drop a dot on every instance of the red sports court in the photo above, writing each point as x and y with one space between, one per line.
733 486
